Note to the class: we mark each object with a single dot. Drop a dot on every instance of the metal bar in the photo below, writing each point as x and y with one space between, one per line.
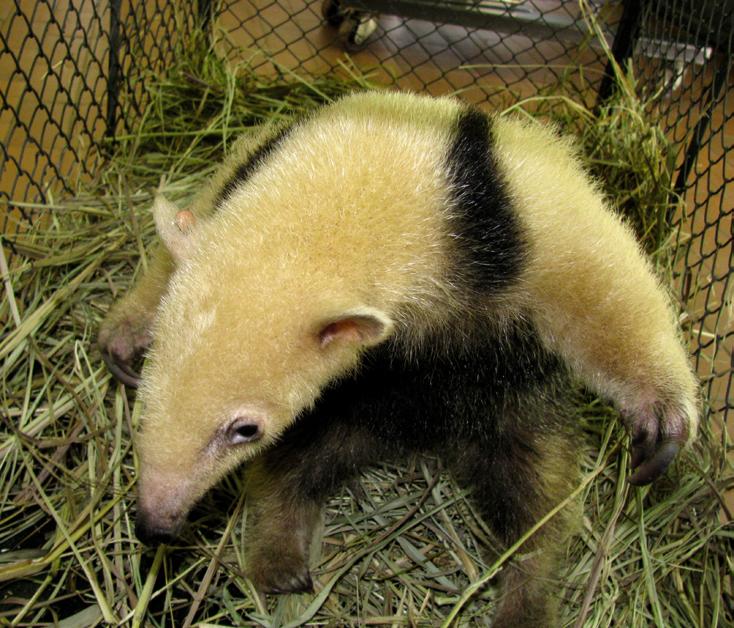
714 93
205 14
623 46
113 78
507 19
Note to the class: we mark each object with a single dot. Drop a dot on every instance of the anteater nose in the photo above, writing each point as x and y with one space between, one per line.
151 534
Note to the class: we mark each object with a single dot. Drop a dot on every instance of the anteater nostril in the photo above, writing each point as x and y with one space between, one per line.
152 535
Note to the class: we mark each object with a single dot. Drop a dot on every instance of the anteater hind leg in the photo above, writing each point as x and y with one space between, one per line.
517 479
286 488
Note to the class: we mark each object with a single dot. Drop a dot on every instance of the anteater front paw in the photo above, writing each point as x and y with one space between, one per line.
658 431
279 574
123 338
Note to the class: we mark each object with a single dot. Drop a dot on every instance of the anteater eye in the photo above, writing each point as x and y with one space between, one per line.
244 431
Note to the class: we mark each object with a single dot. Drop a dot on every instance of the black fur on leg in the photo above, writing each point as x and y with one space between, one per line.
530 473
281 527
287 487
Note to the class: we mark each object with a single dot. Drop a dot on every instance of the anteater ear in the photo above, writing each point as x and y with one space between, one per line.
364 327
174 227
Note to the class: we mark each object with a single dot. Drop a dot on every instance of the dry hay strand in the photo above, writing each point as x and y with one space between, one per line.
403 546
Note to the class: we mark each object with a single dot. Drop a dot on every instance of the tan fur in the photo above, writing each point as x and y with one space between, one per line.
592 292
352 216
128 325
288 252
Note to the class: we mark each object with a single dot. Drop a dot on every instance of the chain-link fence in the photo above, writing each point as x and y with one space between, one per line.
71 74
476 49
68 82
684 50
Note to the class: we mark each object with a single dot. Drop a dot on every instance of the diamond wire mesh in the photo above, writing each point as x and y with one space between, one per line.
69 79
54 58
70 75
422 54
684 51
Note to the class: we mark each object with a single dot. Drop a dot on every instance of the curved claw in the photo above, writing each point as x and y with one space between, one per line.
295 584
644 445
649 467
122 372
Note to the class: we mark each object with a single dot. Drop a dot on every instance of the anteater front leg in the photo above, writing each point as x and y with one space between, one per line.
281 524
286 489
126 331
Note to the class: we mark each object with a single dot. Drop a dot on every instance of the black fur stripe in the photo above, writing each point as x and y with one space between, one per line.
245 170
489 237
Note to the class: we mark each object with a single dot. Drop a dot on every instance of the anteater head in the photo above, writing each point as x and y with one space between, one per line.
241 347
